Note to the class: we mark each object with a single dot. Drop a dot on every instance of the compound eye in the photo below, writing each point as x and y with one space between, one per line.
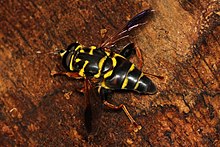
67 57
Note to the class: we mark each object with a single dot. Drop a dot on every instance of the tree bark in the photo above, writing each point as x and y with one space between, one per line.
181 42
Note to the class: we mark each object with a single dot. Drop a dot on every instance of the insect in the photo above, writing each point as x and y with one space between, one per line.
108 67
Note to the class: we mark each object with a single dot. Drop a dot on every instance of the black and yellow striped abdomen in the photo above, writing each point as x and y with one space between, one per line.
126 76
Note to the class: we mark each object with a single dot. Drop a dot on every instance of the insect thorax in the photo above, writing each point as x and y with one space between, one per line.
90 61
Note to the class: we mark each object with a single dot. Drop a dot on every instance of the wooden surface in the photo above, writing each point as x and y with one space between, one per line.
181 42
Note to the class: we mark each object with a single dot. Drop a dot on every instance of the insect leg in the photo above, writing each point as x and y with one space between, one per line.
104 94
74 75
140 58
123 107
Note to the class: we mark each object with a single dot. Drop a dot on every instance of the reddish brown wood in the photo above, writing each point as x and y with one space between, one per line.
181 43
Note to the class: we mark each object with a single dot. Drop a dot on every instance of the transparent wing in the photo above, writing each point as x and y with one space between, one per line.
93 107
136 21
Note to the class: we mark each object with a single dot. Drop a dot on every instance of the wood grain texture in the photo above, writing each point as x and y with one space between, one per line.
181 42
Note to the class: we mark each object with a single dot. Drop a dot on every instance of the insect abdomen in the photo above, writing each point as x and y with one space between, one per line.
126 76
145 85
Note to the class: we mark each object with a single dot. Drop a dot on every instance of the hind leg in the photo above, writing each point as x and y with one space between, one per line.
104 93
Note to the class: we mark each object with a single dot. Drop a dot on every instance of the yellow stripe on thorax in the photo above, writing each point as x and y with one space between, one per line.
77 60
81 72
78 47
71 63
82 51
91 49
